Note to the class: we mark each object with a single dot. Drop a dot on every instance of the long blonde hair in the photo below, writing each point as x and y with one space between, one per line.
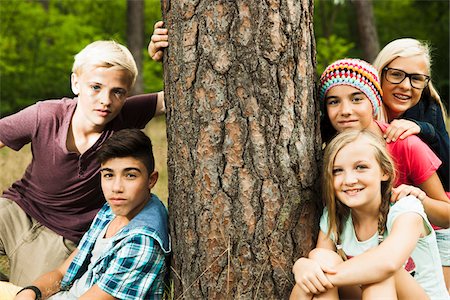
408 47
339 212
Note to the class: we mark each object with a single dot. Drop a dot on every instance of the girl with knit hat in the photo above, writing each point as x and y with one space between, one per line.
351 95
358 223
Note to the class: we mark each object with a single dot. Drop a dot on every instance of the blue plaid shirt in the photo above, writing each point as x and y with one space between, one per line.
134 267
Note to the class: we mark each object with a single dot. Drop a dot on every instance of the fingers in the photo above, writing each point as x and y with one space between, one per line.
406 190
156 49
158 24
314 284
310 277
158 56
160 35
158 41
329 270
408 132
400 129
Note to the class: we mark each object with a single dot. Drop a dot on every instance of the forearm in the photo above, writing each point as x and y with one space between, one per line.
363 269
49 283
436 203
438 211
383 261
160 105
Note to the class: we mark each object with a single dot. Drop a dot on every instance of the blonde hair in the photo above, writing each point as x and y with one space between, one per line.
108 54
339 212
408 47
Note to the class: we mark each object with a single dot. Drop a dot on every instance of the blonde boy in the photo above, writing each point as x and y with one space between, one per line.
44 215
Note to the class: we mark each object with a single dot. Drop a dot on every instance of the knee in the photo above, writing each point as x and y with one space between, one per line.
327 256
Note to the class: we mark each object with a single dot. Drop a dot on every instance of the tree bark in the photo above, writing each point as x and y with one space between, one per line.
135 38
244 145
367 30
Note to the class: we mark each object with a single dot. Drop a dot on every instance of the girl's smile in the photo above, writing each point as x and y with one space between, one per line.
357 175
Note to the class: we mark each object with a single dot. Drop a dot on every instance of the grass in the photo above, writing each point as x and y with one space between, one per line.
13 165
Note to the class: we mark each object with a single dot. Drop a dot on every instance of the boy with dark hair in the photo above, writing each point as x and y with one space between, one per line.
122 256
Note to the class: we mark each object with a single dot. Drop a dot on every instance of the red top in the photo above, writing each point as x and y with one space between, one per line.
414 161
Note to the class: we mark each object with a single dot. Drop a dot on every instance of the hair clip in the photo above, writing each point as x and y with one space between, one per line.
380 238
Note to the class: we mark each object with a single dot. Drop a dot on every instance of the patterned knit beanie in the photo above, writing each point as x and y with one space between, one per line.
356 73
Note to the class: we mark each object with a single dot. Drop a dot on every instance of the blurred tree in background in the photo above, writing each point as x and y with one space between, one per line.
38 39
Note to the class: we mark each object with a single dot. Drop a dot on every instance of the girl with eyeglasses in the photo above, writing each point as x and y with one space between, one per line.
413 106
363 240
411 103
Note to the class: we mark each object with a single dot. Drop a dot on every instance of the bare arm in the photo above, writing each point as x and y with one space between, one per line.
158 42
96 293
436 202
384 260
160 105
310 273
438 211
1 145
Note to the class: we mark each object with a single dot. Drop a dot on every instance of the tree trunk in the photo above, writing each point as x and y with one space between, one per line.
367 31
244 145
135 38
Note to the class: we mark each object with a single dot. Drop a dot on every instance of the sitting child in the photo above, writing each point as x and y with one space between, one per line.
359 223
122 255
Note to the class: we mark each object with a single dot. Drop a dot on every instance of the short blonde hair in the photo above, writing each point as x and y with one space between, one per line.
408 47
108 54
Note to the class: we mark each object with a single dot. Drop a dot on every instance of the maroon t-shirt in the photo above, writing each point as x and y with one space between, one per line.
61 189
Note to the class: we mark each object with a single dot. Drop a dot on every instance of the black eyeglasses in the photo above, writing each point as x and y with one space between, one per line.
396 76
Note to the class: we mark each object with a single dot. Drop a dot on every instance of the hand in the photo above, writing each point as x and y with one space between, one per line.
404 190
400 129
310 276
158 41
25 295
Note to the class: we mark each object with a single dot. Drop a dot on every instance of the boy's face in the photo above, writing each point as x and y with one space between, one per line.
101 93
348 108
126 185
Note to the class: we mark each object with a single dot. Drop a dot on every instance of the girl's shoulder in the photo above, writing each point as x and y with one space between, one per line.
408 204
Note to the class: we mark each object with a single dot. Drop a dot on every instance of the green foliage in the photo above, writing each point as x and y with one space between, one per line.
421 19
37 45
152 71
331 49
